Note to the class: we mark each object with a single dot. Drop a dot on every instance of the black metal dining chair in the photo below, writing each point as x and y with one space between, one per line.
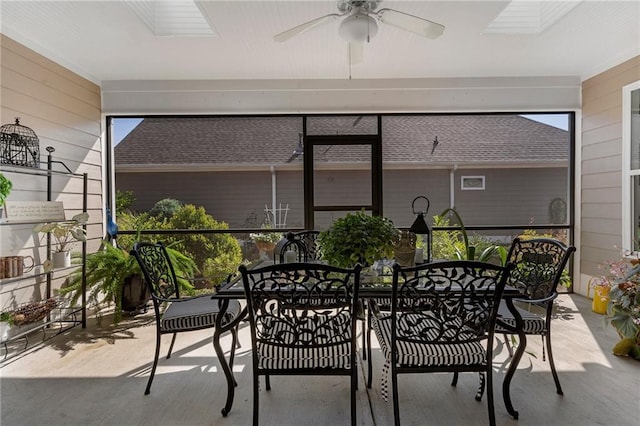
442 320
304 245
175 314
539 268
303 322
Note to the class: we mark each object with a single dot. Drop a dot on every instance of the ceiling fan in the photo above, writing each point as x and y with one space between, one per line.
360 24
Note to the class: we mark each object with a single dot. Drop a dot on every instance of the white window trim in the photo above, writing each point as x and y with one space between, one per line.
627 173
464 188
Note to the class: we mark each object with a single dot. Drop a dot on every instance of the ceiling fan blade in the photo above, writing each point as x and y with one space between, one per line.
410 23
291 32
355 53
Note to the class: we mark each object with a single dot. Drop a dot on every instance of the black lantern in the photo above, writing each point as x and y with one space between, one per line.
420 227
19 145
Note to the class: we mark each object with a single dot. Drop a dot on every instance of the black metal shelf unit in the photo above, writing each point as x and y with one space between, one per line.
61 317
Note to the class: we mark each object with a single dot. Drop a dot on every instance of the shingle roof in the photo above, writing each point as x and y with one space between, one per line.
465 139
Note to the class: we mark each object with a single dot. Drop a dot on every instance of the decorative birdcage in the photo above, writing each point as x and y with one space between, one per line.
19 145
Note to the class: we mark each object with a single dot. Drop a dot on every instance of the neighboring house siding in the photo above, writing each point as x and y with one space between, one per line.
230 197
401 187
63 109
601 196
511 197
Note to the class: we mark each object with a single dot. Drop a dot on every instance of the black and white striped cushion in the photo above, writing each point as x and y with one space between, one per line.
532 323
422 354
279 348
382 302
196 313
428 354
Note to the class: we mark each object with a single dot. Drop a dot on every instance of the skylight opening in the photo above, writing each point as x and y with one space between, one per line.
177 18
529 17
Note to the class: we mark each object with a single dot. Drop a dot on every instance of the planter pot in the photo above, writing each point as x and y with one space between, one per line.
61 259
405 249
135 294
600 299
265 249
265 245
405 256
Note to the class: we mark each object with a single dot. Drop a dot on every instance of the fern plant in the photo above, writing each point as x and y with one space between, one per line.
107 270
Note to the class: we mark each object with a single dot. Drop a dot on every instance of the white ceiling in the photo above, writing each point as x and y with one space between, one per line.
105 40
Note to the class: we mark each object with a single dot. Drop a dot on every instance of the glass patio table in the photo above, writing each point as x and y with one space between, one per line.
372 286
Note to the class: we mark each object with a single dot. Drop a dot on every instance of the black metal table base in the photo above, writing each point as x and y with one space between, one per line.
227 367
513 365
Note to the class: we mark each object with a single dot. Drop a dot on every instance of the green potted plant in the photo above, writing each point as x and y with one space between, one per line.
623 310
468 252
5 189
112 270
64 234
358 238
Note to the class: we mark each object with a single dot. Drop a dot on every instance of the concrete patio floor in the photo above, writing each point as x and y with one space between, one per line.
97 376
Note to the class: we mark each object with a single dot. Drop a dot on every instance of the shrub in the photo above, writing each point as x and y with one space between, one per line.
445 244
136 222
216 255
165 208
124 199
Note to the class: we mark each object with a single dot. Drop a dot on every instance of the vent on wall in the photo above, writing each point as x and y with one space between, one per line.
472 183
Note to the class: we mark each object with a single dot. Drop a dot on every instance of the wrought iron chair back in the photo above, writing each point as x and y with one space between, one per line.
175 314
303 243
441 314
158 272
539 267
445 302
303 321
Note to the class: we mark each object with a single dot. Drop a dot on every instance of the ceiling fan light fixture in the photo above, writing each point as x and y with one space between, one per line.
358 28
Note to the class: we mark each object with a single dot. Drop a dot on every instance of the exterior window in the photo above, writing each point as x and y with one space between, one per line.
631 166
472 183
